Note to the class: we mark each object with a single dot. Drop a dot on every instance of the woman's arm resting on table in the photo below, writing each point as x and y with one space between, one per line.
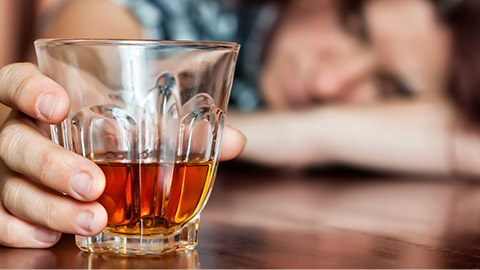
410 137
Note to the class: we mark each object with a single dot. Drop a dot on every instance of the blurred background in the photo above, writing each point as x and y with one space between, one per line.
361 118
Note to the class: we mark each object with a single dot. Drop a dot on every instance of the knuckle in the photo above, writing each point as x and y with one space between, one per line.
10 194
10 137
8 236
43 211
16 92
7 72
16 85
50 214
11 68
47 161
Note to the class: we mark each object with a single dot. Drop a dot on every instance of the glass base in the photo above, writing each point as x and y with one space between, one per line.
187 259
105 242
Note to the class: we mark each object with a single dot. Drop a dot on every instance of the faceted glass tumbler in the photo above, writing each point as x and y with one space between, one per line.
150 114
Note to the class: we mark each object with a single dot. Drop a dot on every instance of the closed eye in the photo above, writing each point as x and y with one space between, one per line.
391 85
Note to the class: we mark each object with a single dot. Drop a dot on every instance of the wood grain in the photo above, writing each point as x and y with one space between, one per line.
262 218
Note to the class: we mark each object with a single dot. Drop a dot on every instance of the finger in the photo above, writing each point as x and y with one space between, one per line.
24 87
15 232
32 203
233 142
24 150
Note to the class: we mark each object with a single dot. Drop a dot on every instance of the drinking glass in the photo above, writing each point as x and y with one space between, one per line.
150 114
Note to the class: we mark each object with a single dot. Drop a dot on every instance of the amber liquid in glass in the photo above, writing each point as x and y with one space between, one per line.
151 198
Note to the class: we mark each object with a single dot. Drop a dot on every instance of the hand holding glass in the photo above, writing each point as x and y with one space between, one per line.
150 114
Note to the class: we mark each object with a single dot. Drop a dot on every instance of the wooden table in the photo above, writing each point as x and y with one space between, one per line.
263 218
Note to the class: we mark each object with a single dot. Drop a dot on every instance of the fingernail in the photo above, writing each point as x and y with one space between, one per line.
46 105
45 235
81 183
85 220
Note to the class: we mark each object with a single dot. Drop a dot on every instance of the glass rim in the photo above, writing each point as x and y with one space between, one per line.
138 42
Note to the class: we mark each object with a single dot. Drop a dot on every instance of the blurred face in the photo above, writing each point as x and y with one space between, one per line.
313 59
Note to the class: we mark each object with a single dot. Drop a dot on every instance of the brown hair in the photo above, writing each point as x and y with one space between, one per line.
463 17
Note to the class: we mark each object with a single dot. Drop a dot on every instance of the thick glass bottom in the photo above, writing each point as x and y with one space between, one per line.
105 242
176 260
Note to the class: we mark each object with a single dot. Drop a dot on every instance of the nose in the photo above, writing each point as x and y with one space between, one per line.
328 84
334 80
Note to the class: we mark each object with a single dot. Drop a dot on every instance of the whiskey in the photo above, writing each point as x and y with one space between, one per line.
153 198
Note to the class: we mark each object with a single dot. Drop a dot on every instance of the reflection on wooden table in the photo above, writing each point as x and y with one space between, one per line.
260 218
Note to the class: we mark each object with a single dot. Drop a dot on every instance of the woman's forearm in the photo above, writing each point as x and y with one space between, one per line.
413 137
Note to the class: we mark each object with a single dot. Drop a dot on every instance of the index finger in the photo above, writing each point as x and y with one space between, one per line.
24 87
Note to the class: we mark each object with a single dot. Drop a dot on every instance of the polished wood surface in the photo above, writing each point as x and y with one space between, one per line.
262 218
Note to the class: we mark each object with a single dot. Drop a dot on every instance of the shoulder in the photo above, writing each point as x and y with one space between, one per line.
93 19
